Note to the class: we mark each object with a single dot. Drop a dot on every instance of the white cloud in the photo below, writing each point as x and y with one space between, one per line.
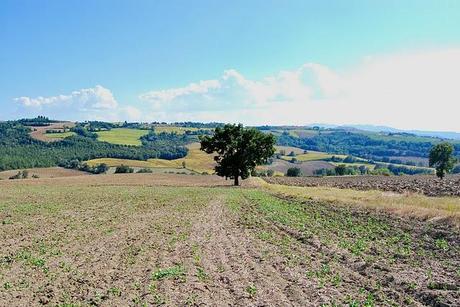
97 103
89 98
410 90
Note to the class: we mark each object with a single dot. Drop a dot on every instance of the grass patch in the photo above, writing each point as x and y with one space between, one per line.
122 136
61 135
175 272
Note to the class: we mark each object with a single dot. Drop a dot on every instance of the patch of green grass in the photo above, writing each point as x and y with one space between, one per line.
61 135
7 285
122 136
331 225
175 272
114 291
442 244
201 274
251 290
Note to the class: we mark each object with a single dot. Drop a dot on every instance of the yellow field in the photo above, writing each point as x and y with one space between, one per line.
196 160
122 136
178 130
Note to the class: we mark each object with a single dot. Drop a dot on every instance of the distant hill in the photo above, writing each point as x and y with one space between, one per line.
373 128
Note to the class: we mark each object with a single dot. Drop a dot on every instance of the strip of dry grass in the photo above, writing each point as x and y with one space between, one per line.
412 204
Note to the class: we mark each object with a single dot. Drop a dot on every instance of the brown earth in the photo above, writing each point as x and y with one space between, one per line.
124 240
307 167
423 184
38 132
45 172
146 179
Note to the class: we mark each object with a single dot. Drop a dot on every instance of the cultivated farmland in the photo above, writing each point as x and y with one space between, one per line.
424 184
150 239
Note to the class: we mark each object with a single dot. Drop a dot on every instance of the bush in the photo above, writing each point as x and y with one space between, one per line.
381 171
456 169
20 175
293 172
123 169
100 169
144 170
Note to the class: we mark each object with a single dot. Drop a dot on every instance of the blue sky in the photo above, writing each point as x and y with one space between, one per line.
254 62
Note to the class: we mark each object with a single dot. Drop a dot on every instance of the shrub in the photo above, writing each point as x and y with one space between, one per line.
20 175
144 170
123 169
340 170
293 172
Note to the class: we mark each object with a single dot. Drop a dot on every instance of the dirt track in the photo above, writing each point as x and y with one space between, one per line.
428 185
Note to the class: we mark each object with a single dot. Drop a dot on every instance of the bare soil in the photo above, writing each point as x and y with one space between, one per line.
423 184
307 168
45 172
143 239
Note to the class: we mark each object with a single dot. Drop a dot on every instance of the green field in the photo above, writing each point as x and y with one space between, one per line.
122 136
60 135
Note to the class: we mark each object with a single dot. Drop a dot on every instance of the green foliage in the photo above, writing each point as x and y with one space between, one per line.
123 169
239 150
441 158
75 164
37 121
340 169
364 145
18 150
144 170
175 272
293 172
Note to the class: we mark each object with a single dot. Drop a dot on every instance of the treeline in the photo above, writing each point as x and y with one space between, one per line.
379 169
19 150
37 121
345 142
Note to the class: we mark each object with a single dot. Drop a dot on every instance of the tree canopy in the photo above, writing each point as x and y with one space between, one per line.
441 158
239 150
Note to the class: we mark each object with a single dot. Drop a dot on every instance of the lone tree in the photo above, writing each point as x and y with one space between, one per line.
441 158
239 150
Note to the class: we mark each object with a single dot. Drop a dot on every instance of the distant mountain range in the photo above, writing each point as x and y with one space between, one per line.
373 128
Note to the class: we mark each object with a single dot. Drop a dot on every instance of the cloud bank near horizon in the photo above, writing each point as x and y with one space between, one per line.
413 90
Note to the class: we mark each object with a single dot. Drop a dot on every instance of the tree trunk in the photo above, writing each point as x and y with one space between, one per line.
237 183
